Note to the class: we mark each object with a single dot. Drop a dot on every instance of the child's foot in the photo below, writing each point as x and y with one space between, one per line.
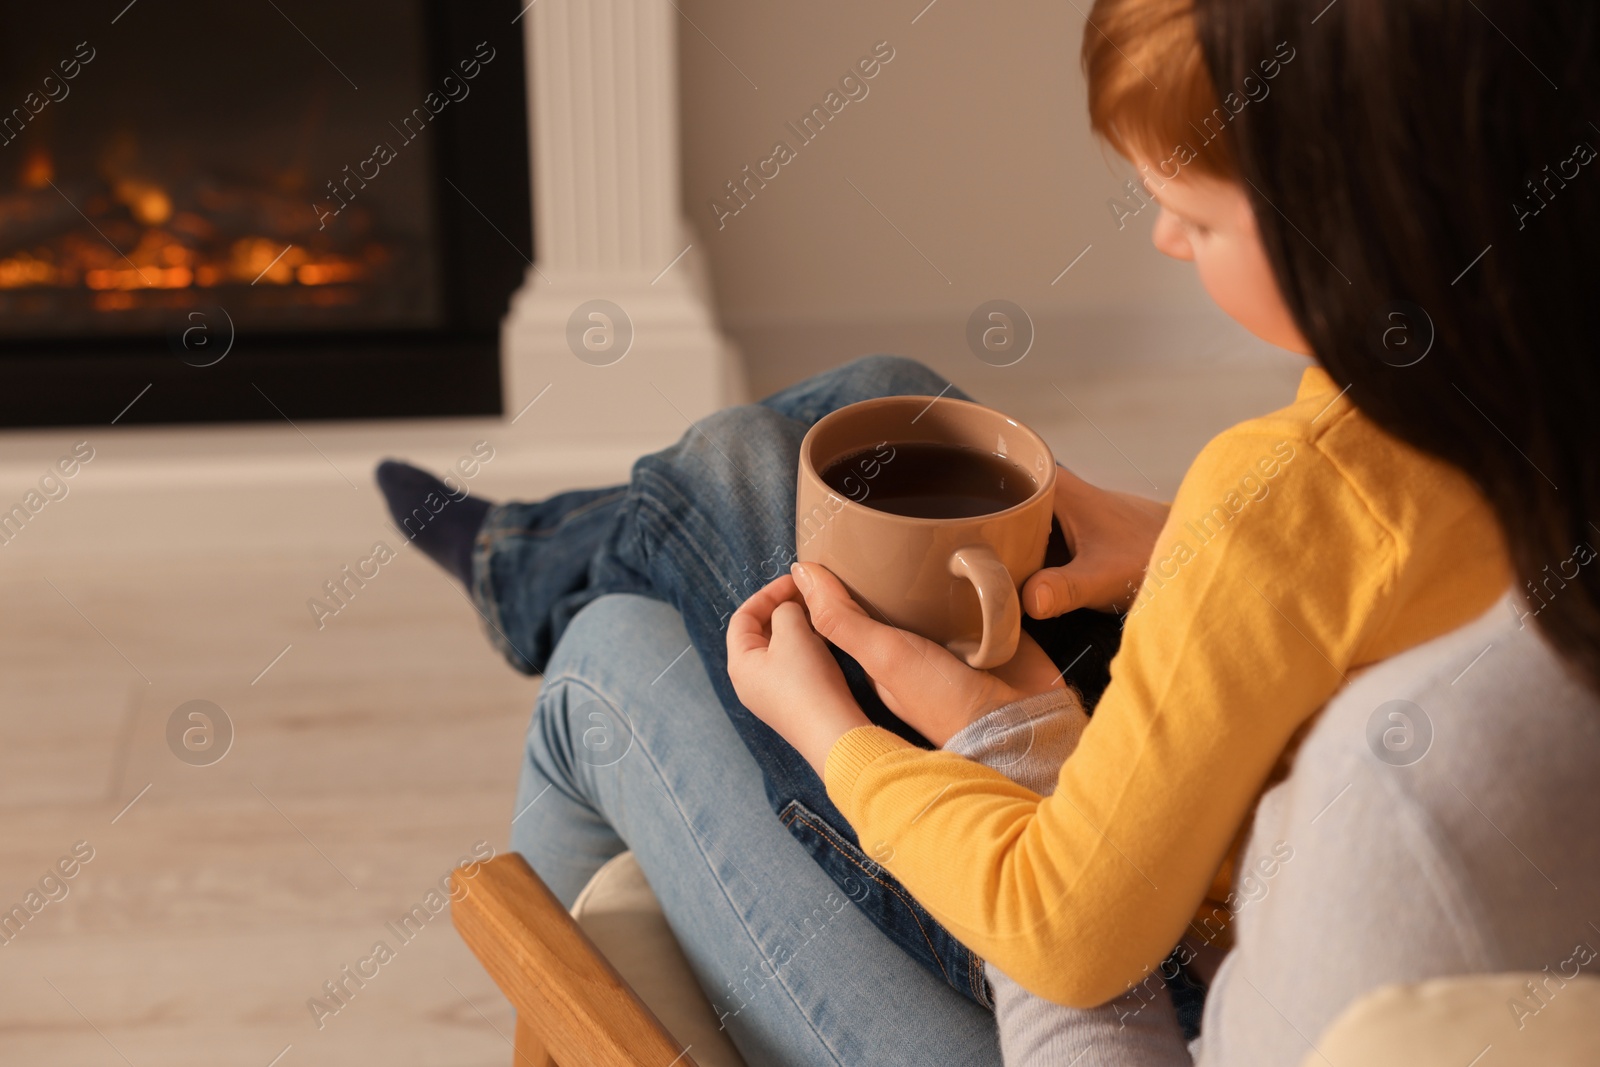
441 522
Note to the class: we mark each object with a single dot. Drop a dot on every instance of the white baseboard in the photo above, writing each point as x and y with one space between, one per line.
265 487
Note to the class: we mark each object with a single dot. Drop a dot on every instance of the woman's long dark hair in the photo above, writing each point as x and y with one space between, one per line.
1427 172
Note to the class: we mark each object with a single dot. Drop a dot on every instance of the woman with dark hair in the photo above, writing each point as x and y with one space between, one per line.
1386 147
1430 168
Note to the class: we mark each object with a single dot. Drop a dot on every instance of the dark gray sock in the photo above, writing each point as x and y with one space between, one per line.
439 520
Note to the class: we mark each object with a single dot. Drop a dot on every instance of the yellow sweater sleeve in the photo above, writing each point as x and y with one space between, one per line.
1255 601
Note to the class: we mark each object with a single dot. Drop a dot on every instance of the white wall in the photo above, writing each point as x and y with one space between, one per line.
973 141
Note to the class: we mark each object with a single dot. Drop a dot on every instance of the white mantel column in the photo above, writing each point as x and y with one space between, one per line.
609 226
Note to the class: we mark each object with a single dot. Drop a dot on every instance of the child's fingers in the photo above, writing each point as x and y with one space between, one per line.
789 623
764 600
747 632
750 628
769 596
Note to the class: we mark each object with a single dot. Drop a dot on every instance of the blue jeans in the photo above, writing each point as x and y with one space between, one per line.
702 525
630 748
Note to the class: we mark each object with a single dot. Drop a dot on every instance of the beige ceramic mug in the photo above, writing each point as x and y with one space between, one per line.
952 580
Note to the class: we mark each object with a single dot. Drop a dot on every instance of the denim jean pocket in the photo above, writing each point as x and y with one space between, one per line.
889 905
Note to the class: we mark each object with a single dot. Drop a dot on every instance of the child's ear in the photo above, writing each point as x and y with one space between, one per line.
1169 237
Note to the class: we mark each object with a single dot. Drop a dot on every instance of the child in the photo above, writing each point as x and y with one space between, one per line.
1302 546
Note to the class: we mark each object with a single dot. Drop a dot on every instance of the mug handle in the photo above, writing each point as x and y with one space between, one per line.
997 599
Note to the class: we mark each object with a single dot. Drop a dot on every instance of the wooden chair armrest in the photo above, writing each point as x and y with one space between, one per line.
567 995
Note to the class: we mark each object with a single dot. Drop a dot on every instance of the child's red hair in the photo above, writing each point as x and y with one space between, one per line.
1150 90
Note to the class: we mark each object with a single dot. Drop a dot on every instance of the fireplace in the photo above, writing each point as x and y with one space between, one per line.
222 212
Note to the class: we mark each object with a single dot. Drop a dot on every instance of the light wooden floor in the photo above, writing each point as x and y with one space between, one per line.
367 759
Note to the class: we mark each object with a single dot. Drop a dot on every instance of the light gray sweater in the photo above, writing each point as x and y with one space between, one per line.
1462 836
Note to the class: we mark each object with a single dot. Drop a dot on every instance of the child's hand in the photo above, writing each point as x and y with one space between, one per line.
920 681
1111 535
785 674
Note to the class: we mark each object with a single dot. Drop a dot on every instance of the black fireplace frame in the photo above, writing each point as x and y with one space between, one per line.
486 246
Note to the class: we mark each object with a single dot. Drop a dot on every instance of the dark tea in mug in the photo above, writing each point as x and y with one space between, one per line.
930 481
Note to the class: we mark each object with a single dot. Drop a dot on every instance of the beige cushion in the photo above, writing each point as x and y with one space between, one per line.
1451 1022
1446 1022
621 916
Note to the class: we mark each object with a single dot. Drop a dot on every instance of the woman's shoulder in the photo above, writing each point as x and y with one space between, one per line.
1438 820
1486 713
1474 756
